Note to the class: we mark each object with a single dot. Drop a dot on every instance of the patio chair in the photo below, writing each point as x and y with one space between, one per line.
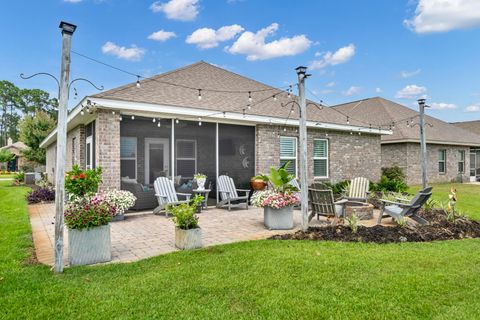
358 189
229 194
323 204
405 208
166 194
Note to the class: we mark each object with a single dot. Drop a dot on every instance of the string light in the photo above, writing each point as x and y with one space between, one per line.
120 118
250 96
75 94
249 107
199 94
138 81
133 117
153 120
243 111
348 120
159 124
177 121
274 97
82 112
285 129
199 121
113 112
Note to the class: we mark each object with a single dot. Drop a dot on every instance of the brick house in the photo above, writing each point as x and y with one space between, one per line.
474 127
200 118
448 146
19 162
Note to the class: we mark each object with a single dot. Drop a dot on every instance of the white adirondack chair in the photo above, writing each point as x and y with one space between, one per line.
228 194
358 189
166 194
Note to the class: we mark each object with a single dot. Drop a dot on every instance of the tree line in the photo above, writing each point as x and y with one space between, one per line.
26 115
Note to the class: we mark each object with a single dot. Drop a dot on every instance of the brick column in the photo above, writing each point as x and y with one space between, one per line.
107 148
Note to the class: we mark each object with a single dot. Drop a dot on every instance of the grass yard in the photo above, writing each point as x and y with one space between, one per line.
10 176
468 196
258 279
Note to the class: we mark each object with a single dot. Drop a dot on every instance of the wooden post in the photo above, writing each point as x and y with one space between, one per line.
301 72
423 143
67 32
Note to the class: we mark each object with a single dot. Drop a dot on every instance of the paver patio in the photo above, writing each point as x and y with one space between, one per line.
142 235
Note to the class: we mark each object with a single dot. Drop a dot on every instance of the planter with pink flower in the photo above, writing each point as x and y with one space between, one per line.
278 200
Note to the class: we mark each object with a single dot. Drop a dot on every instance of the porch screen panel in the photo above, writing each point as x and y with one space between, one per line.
194 153
236 150
128 157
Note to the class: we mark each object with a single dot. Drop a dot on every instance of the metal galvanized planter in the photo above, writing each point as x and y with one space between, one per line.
278 219
118 217
89 246
188 239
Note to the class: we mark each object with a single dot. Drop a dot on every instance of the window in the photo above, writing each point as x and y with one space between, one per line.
442 161
288 152
461 161
128 157
186 158
74 151
320 158
89 152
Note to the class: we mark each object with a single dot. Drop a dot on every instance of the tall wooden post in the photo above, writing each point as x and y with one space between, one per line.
301 72
67 32
423 143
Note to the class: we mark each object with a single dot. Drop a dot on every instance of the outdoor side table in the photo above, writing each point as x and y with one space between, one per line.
204 193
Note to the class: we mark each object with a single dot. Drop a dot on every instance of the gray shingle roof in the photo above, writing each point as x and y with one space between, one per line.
381 111
472 126
157 90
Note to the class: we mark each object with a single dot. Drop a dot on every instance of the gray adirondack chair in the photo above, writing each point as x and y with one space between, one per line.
405 208
166 194
229 194
323 204
358 189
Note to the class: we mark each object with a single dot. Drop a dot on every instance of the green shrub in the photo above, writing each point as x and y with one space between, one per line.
184 214
393 179
394 173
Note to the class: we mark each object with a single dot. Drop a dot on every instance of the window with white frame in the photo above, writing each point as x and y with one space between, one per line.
461 161
288 152
442 161
320 158
128 157
186 160
74 150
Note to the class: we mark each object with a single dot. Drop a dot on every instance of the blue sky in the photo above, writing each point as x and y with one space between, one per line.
398 49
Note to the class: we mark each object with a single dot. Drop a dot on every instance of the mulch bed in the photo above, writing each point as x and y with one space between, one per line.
438 229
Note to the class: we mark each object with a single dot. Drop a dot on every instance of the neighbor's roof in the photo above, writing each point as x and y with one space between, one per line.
381 111
472 126
16 145
214 82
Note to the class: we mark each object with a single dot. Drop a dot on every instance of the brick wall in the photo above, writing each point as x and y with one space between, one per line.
407 156
107 148
350 155
77 134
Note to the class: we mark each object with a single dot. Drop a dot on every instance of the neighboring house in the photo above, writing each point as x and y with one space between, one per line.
448 146
17 163
472 126
165 126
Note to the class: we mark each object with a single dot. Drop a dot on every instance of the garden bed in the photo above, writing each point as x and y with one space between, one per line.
439 229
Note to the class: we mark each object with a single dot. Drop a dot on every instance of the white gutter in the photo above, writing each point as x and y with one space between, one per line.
466 144
166 111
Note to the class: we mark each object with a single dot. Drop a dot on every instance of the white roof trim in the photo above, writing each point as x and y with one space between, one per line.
157 110
431 142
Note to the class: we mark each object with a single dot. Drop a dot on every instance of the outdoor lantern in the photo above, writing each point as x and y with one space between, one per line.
301 70
67 27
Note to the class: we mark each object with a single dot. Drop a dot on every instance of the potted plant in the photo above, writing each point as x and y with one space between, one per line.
80 183
122 201
188 234
279 200
257 184
201 179
88 220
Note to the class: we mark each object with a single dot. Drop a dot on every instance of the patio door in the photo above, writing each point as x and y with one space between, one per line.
156 159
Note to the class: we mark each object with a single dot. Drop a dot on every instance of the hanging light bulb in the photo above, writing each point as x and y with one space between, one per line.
289 94
285 129
250 96
359 133
351 132
76 94
159 124
274 97
120 118
249 107
138 81
199 94
113 112
177 121
154 120
348 120
292 111
82 112
326 135
199 121
133 117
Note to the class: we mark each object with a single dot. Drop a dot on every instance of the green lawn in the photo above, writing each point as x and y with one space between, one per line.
11 176
258 279
468 196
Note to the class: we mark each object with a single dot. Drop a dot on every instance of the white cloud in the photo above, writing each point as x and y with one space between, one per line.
331 84
206 38
162 35
340 56
378 90
411 92
408 74
473 108
442 106
133 53
444 15
183 10
253 44
353 90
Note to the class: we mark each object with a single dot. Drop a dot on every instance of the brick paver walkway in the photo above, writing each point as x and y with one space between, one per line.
143 235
